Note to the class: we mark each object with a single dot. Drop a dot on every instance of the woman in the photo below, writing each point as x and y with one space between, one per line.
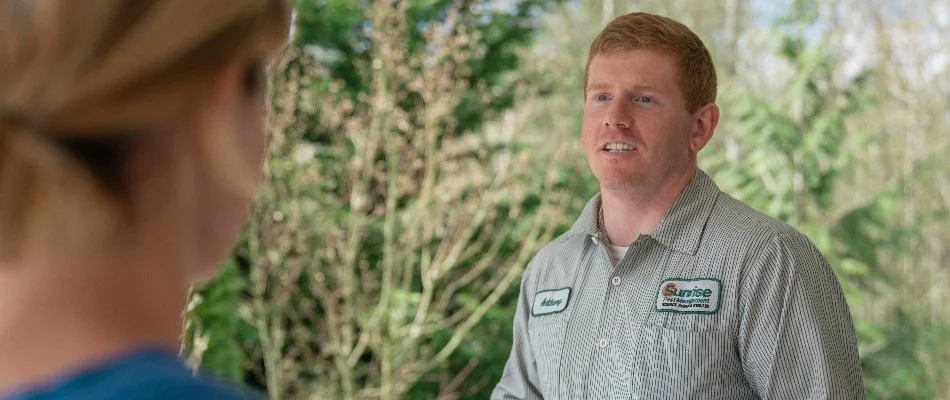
131 141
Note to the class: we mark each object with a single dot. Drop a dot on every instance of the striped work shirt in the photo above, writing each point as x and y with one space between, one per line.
720 302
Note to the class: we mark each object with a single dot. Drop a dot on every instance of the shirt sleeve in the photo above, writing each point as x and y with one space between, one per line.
796 337
519 381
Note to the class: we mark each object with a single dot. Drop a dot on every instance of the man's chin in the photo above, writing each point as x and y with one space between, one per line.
619 180
619 186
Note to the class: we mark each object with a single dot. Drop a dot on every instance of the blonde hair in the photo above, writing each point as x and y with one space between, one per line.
80 81
696 73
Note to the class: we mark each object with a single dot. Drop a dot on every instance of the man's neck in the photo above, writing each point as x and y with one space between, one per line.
630 213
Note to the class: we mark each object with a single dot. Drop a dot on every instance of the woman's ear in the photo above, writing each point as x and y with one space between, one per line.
231 128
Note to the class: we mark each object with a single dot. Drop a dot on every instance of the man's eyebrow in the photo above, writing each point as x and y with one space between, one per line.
597 86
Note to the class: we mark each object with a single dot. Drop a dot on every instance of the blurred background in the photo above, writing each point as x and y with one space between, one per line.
422 151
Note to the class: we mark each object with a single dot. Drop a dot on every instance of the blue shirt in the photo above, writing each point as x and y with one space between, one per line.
143 375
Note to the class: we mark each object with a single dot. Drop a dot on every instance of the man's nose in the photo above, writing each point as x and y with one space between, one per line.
617 116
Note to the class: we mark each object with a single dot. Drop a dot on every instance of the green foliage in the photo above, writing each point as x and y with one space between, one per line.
474 369
790 157
386 229
481 359
341 33
217 327
909 355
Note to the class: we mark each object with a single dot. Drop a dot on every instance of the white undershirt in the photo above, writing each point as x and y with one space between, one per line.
617 253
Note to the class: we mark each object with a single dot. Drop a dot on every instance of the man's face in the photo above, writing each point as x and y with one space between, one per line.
637 132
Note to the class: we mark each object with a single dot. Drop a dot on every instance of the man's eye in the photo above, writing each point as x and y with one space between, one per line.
601 97
646 99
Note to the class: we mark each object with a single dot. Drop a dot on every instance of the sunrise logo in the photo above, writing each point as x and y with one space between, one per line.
691 296
671 290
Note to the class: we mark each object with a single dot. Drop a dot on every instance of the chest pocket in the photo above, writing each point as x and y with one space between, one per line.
673 362
547 341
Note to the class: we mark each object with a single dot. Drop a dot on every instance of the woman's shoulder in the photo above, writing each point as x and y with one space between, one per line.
144 375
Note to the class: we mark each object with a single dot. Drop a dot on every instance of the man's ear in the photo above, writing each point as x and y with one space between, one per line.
704 123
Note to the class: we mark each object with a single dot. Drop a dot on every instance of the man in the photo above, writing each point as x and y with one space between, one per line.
666 287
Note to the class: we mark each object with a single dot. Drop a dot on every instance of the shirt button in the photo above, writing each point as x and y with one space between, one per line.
604 342
615 281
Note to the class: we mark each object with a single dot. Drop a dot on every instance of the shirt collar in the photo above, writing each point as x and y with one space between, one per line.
682 226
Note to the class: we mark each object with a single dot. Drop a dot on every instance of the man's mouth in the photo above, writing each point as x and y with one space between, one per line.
618 147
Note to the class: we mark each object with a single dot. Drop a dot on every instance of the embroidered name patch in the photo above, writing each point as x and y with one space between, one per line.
550 301
689 296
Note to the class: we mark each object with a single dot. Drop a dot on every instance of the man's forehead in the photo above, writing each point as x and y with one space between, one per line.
636 69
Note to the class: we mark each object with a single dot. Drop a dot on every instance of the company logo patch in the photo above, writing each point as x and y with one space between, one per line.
550 301
689 296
